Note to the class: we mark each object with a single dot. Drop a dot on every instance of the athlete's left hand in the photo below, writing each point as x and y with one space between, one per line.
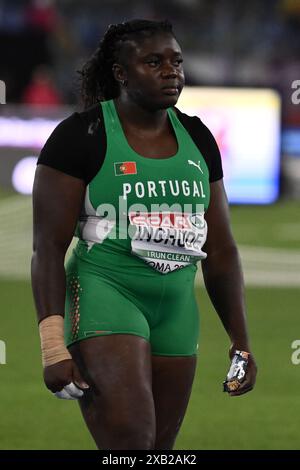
250 377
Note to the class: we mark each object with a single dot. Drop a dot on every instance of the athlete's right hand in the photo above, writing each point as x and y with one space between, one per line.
64 380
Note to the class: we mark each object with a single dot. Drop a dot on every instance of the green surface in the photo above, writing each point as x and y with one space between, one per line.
265 419
275 226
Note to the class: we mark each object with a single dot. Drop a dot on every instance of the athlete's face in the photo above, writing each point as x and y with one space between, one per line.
154 71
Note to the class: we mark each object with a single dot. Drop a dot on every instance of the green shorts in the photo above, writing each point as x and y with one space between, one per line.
158 307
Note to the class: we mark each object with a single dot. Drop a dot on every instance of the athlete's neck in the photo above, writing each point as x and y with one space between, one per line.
135 116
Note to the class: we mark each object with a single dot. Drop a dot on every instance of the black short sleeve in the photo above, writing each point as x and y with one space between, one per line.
210 151
205 142
65 149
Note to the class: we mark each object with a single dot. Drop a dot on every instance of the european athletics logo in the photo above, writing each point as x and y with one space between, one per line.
2 92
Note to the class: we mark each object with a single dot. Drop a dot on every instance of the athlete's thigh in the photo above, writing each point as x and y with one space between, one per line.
174 342
120 400
172 380
108 339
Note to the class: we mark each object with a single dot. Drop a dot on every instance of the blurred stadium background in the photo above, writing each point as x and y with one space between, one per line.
239 46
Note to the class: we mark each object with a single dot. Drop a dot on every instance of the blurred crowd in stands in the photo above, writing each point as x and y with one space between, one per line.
225 43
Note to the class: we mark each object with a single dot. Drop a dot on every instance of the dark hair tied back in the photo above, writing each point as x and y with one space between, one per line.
97 80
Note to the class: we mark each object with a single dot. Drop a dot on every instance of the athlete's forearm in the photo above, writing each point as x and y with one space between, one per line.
48 281
49 288
224 283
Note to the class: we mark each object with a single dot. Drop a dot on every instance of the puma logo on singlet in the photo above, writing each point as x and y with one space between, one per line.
195 164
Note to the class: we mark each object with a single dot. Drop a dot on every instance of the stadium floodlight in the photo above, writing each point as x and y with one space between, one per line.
23 175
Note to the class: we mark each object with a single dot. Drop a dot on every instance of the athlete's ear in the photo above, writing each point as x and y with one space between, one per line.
119 73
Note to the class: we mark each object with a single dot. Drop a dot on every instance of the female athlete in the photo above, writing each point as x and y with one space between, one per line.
141 185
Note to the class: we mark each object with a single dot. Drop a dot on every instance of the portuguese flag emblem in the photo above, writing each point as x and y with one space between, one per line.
125 168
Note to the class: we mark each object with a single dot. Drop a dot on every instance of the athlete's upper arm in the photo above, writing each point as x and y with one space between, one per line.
57 200
217 217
